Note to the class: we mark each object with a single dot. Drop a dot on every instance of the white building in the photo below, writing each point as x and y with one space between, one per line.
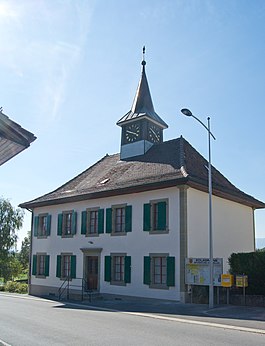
126 224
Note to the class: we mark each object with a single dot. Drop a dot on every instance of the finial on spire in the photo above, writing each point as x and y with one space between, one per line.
143 62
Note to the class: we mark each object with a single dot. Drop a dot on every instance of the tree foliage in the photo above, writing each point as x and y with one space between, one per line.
23 255
251 264
11 220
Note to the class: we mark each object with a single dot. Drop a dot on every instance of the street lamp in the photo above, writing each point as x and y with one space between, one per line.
188 113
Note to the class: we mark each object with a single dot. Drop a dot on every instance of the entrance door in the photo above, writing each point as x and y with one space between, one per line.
92 273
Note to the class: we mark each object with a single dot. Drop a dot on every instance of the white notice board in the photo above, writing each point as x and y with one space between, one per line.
197 271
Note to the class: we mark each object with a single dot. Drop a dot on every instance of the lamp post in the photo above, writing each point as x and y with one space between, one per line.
188 113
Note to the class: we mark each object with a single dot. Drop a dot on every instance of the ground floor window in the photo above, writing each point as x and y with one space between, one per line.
40 264
118 269
66 266
159 270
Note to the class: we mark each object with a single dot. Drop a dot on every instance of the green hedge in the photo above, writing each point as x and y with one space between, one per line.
253 265
15 287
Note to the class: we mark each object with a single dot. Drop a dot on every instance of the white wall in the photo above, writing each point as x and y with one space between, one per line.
136 244
232 227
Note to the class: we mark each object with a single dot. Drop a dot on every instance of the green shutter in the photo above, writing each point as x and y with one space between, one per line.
84 222
60 224
58 267
147 270
36 226
162 216
128 218
147 217
34 265
170 271
49 221
127 269
101 221
47 265
74 220
107 268
108 220
73 266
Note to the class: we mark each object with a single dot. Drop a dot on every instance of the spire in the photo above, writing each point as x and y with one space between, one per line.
142 104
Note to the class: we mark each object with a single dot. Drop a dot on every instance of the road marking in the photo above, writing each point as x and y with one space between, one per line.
2 343
175 319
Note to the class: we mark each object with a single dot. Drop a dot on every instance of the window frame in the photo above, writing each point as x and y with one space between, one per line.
38 259
124 269
71 266
126 218
153 222
38 225
150 271
65 223
86 222
62 223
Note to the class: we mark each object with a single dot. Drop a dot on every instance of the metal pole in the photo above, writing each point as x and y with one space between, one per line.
211 287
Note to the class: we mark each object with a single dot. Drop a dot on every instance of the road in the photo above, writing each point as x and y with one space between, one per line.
32 321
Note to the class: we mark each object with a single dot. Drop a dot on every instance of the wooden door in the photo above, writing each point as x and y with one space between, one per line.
92 273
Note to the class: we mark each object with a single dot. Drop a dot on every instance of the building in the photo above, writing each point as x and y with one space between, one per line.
126 224
13 138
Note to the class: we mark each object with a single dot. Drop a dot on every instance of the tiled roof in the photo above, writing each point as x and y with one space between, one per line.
166 164
13 138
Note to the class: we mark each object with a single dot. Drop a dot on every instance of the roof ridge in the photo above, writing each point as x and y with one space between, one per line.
182 157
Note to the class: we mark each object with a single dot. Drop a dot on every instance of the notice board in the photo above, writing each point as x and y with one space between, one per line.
197 271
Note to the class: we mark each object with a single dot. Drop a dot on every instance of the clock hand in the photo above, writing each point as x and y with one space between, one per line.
132 133
154 133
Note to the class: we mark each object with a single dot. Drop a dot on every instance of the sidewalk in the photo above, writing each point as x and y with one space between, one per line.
230 315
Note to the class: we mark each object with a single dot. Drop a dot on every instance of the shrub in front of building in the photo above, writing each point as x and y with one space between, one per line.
251 264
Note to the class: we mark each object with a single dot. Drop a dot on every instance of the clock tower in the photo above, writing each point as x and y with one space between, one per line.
141 126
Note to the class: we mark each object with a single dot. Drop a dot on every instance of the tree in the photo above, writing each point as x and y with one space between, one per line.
11 220
23 255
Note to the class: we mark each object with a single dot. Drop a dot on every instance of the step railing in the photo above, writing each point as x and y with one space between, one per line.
68 284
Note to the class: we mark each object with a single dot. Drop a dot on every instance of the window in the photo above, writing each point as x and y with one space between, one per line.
92 221
67 223
156 216
159 271
66 266
42 225
118 269
40 265
119 219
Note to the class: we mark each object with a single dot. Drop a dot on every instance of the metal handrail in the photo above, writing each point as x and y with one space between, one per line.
66 285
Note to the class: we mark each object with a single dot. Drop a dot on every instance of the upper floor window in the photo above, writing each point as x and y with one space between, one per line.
42 225
119 219
92 221
40 265
156 216
67 223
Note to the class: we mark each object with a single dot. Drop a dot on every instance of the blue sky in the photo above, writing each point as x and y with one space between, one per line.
69 70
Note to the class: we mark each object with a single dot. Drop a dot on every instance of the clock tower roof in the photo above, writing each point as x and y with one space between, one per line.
142 105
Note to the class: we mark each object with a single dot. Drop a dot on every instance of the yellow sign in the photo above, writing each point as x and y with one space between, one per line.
227 280
241 281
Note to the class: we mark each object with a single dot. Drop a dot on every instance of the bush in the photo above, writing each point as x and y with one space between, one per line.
16 287
251 264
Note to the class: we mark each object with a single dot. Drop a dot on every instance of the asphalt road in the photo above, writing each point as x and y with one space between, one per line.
33 321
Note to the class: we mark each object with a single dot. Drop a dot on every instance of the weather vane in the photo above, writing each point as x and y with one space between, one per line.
143 62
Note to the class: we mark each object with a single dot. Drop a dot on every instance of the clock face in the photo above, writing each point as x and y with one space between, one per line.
154 134
132 132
